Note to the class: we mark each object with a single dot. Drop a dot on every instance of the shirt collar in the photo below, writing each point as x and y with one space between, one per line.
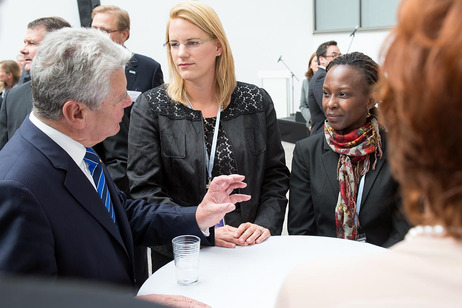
75 149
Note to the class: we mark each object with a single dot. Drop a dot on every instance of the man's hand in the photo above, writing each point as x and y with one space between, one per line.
246 234
218 200
177 301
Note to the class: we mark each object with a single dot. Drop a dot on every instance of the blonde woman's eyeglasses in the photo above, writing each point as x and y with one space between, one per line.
188 44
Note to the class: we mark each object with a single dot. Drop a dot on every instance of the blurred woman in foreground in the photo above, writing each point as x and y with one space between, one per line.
422 108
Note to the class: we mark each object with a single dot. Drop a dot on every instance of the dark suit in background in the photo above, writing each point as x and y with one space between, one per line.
57 226
25 77
15 107
314 190
143 73
315 101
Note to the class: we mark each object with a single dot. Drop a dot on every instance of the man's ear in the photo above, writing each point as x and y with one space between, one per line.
125 35
75 113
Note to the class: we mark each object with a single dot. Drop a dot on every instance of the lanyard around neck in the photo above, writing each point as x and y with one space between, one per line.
359 197
214 147
210 161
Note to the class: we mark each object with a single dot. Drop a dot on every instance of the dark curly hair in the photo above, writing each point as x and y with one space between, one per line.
368 67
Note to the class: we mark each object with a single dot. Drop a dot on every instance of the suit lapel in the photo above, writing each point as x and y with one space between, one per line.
372 175
78 185
76 182
130 72
330 162
121 216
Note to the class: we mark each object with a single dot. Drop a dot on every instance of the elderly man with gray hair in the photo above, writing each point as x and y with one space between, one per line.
61 213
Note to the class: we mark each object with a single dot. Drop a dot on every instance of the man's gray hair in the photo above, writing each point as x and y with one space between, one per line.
74 65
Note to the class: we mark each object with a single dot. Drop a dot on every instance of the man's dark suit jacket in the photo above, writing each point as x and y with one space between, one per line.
314 190
54 223
315 101
16 105
142 73
25 76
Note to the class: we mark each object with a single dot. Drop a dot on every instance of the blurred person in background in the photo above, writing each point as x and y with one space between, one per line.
9 76
304 108
17 103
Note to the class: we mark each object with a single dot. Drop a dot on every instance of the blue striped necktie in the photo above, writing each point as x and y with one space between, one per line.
96 170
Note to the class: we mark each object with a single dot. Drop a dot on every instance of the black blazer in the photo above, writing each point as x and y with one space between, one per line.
53 221
315 101
167 151
16 105
314 190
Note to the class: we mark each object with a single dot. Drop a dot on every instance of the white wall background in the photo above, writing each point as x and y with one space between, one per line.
259 31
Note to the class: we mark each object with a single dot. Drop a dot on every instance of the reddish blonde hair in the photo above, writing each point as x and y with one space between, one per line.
422 110
309 73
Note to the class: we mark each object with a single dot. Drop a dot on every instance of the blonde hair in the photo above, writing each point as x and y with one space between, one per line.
309 73
10 67
204 17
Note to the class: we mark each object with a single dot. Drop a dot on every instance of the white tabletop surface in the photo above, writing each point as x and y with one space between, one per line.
251 276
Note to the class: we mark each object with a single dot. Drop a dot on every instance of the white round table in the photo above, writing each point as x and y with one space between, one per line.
251 276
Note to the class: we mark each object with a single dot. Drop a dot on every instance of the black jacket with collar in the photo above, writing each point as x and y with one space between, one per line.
167 160
314 190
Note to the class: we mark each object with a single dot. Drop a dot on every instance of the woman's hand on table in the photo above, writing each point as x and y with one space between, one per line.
247 234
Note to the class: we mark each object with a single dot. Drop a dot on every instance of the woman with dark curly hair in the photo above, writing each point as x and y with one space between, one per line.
341 184
422 110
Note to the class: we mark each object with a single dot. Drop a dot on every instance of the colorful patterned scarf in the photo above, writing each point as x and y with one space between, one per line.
354 149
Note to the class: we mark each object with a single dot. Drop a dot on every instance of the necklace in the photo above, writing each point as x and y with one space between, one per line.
432 231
